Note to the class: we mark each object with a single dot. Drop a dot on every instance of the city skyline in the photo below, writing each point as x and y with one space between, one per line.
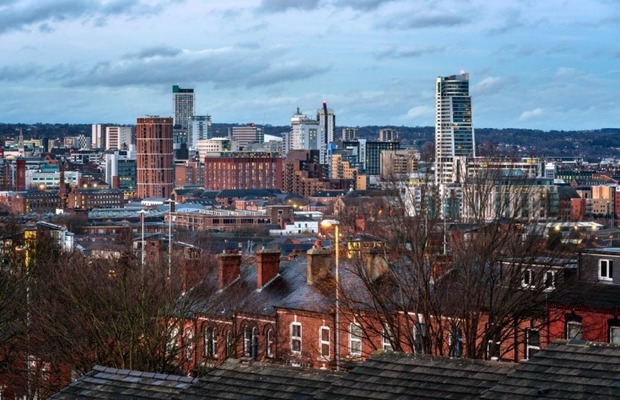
535 65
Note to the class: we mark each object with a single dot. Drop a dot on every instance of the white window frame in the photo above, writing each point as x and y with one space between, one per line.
323 342
574 325
552 286
529 347
609 270
189 344
269 341
614 334
355 340
527 283
419 333
296 338
247 341
385 337
211 342
173 340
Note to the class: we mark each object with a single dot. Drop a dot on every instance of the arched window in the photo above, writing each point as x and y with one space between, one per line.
270 343
189 343
229 344
247 341
211 342
171 345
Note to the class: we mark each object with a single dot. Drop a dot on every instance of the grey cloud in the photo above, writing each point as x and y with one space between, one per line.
224 68
21 14
429 19
410 53
511 20
362 5
152 52
19 72
273 6
286 73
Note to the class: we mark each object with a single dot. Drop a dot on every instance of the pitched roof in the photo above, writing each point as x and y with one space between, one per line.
565 370
120 384
590 295
403 376
235 380
288 289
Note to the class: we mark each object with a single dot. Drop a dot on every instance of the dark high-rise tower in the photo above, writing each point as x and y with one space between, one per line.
154 157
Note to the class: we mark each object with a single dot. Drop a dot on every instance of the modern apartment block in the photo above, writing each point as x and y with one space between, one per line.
454 133
183 106
200 129
388 135
249 133
117 137
154 157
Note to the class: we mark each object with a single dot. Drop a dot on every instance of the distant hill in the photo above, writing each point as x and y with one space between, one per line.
591 145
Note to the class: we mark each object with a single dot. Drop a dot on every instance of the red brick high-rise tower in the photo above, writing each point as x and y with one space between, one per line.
154 157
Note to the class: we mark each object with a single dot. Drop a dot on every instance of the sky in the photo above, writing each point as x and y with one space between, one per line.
533 64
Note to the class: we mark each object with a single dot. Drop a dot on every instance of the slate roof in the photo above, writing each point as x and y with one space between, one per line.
235 380
590 295
401 376
563 370
579 370
121 384
288 289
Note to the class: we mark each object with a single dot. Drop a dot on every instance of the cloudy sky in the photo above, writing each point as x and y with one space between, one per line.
540 64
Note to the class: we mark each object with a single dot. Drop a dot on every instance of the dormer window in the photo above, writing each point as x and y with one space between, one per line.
606 270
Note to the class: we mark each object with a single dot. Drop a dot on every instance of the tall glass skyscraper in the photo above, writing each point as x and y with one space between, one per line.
454 133
183 106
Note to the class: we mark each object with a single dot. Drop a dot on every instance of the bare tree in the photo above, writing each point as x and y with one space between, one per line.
464 268
80 312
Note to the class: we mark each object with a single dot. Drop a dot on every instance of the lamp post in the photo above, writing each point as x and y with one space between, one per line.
326 223
142 224
170 201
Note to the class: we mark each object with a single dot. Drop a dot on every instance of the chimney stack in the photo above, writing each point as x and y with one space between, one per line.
267 266
319 260
229 268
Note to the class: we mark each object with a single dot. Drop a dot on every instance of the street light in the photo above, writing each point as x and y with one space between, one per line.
327 223
142 223
170 201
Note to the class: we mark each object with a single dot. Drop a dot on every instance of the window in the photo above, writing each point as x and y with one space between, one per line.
270 352
455 342
387 339
532 342
189 344
419 335
573 330
324 342
494 343
247 341
211 342
355 340
527 280
229 344
171 346
549 280
605 270
296 337
614 330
